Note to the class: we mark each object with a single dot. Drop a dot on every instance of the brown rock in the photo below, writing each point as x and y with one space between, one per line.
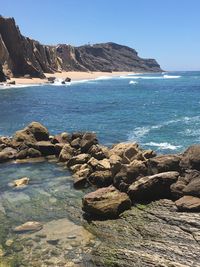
101 178
21 182
88 140
191 158
66 153
79 159
7 154
28 226
164 163
39 131
189 184
106 202
188 203
153 187
97 151
45 147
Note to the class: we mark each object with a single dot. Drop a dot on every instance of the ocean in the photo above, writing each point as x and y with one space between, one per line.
159 111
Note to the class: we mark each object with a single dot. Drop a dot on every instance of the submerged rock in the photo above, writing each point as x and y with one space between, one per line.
28 226
21 182
106 202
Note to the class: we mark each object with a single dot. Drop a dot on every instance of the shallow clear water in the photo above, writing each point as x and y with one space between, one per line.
160 111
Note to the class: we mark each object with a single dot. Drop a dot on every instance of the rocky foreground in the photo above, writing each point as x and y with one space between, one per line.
22 56
160 229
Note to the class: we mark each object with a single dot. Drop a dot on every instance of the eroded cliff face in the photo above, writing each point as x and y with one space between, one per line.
20 55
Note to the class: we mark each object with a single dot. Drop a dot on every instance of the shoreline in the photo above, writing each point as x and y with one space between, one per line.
73 75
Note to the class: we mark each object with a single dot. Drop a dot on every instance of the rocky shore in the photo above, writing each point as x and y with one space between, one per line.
123 175
143 208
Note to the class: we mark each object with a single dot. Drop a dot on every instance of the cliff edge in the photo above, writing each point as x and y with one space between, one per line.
20 55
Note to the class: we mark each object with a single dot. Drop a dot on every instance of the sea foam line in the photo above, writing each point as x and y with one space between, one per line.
163 146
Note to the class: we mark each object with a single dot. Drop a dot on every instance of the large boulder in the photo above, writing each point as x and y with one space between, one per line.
32 133
189 184
191 158
39 131
164 163
98 152
66 153
24 135
79 159
101 178
153 187
80 177
7 154
129 173
188 203
45 147
88 140
106 202
127 151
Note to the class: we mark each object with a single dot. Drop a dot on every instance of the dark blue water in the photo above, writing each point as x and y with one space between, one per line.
160 112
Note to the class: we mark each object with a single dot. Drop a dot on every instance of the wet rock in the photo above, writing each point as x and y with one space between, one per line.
101 178
21 182
45 147
106 202
153 187
191 158
99 165
189 184
68 80
66 153
28 226
164 163
188 203
51 79
53 242
79 159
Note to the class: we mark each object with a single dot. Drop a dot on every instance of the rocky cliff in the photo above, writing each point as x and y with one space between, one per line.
21 55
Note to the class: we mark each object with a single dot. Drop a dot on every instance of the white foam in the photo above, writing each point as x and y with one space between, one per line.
151 77
171 76
105 77
133 82
8 86
162 146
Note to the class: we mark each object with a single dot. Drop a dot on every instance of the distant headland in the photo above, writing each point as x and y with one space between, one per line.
21 56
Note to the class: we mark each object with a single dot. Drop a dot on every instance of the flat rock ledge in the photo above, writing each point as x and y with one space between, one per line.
123 174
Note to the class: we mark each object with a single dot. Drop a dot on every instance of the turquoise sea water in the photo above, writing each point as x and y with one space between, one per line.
160 111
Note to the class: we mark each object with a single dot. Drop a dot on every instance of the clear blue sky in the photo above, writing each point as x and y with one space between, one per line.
166 30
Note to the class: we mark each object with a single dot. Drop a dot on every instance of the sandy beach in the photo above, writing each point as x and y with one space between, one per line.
74 75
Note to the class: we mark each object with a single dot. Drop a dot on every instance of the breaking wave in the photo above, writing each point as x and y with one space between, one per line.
162 146
133 82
